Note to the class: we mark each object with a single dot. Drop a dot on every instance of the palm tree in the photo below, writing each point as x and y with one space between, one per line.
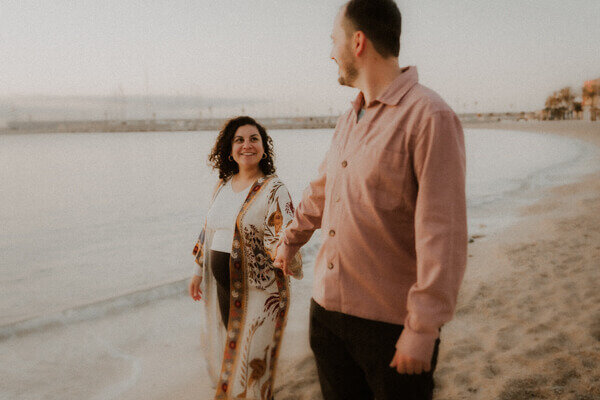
591 94
551 105
577 109
566 98
591 91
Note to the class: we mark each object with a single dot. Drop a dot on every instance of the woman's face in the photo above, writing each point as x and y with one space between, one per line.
247 147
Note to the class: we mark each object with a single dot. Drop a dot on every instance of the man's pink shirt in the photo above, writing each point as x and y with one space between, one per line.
390 201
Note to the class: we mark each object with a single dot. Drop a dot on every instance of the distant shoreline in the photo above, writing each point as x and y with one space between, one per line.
163 125
576 129
214 124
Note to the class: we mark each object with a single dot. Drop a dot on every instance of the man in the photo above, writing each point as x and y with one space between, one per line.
390 200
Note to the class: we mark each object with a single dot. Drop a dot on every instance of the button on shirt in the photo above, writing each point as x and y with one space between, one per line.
390 195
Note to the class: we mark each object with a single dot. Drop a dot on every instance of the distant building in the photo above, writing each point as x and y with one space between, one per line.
540 115
590 100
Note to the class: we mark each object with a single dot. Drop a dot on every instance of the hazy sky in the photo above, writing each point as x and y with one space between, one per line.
480 55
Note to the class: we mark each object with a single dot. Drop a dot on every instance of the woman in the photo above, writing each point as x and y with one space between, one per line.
246 298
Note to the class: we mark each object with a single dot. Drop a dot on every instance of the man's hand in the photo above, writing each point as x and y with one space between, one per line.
283 257
194 288
408 365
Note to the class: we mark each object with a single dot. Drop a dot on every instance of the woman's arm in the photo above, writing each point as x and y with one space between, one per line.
280 214
198 253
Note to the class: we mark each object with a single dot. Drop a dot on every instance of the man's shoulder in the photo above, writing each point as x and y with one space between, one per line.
343 121
427 101
345 116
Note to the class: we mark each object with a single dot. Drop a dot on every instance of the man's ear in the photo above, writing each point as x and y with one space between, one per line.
359 41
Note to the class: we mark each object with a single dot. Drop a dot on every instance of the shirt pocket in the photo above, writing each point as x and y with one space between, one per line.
391 178
381 178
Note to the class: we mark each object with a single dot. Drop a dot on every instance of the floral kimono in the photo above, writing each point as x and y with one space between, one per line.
242 356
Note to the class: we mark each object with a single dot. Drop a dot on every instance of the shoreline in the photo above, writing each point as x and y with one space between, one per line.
527 323
215 124
95 309
500 210
584 130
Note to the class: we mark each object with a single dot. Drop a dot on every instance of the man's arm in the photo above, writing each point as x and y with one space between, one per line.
440 237
307 219
308 214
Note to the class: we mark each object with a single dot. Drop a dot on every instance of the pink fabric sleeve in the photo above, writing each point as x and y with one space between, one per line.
440 232
308 214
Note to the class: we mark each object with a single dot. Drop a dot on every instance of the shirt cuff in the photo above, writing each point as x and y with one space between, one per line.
417 345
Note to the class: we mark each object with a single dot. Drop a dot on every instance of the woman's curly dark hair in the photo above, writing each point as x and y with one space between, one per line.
219 156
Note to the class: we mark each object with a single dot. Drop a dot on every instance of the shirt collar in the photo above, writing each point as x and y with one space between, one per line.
394 92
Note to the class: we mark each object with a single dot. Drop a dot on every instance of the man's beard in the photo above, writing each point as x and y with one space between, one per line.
349 73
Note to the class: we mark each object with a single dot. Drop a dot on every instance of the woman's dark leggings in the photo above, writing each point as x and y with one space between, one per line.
219 263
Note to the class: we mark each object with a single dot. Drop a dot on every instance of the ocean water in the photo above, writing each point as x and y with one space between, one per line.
91 220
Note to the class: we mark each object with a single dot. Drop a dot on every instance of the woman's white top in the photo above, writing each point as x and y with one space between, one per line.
223 215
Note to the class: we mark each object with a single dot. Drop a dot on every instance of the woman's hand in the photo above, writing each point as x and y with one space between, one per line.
283 258
194 288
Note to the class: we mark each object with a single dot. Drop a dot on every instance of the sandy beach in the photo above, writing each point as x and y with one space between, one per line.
527 324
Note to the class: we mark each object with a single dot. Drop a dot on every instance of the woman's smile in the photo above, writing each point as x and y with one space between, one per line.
247 147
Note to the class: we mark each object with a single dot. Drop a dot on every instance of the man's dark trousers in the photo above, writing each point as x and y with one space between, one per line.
353 357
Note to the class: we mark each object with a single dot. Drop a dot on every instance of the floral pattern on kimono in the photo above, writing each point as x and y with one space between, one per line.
242 357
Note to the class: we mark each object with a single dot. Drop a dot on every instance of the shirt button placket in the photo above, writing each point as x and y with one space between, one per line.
337 192
336 197
331 234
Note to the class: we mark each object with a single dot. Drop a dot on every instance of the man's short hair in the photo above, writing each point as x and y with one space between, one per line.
379 20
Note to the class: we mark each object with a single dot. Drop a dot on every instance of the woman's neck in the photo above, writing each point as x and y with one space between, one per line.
247 175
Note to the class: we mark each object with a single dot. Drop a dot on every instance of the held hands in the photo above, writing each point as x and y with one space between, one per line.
283 257
194 288
408 365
